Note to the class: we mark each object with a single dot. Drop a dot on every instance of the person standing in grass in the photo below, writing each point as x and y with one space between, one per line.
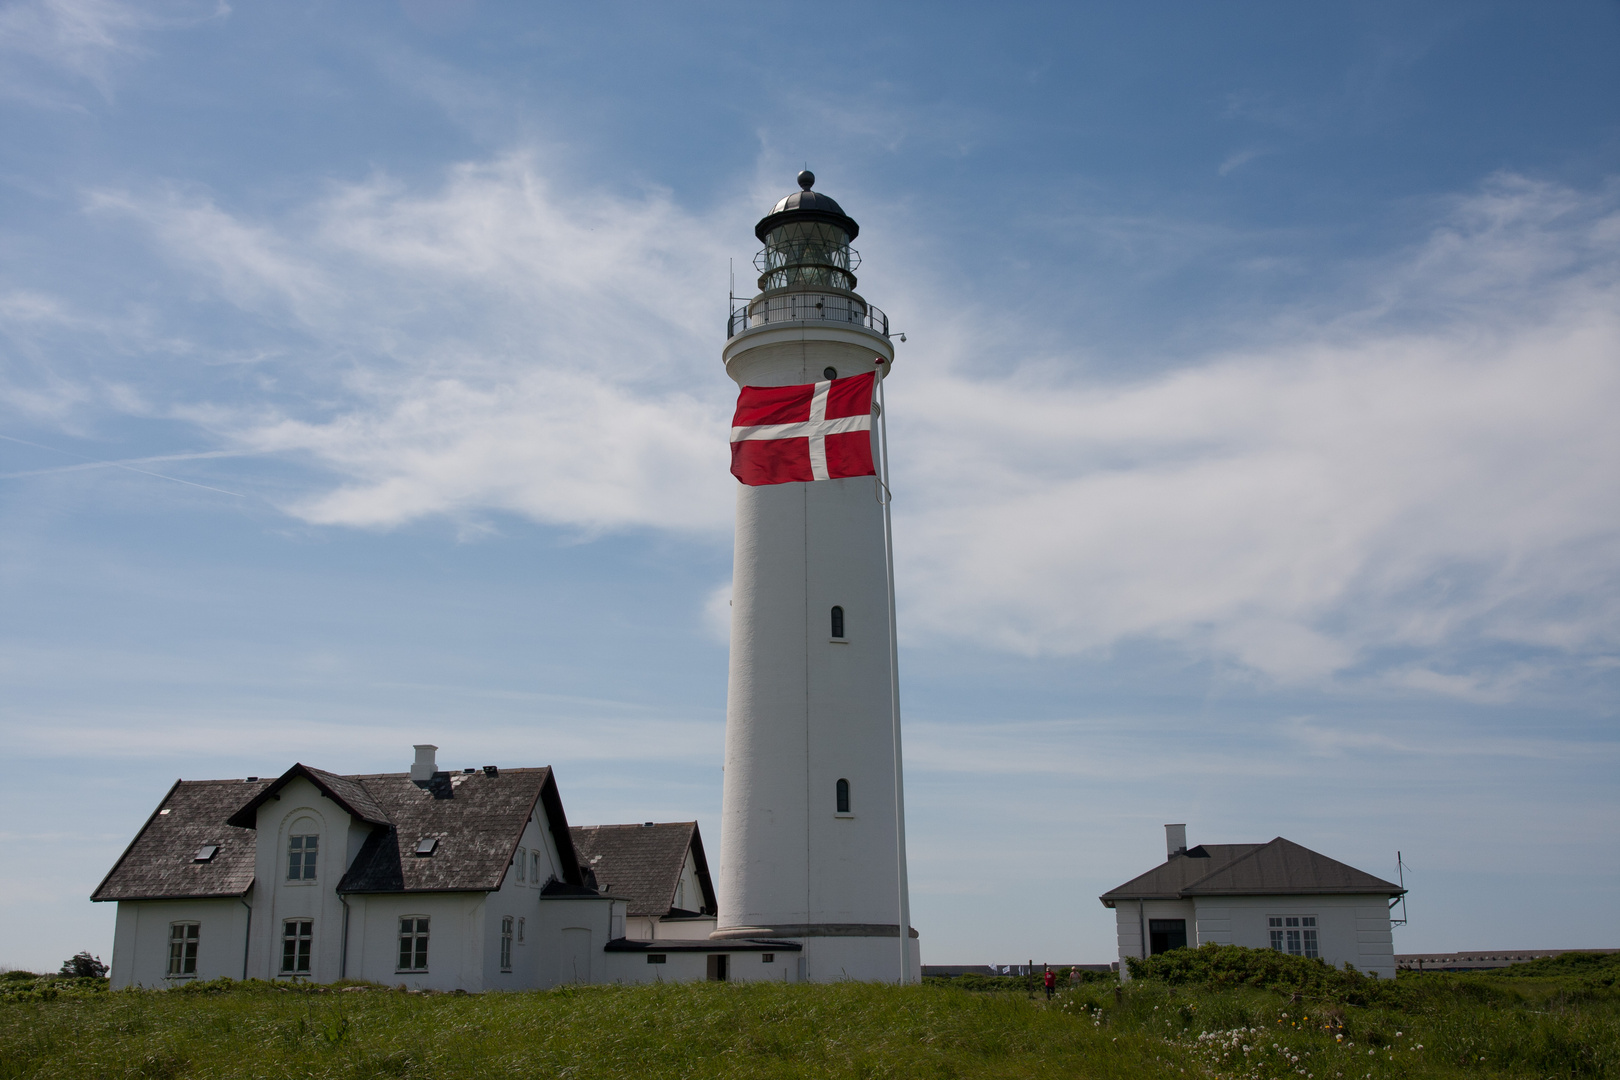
1050 980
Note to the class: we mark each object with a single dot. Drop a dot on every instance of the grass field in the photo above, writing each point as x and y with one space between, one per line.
1249 1018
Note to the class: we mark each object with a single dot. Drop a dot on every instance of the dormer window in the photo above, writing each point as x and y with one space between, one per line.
206 853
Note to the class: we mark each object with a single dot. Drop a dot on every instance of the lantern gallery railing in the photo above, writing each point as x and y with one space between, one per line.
804 307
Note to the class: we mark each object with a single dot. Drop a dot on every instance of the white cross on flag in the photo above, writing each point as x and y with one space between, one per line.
793 434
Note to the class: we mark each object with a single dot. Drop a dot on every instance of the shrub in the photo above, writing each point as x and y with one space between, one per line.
82 965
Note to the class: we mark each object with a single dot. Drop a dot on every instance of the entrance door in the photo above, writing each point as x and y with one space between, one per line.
1167 934
574 956
718 968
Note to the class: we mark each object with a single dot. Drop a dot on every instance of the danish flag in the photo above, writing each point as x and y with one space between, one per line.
793 434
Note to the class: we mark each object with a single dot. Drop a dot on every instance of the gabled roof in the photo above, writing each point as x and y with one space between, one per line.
478 819
159 863
643 864
1280 868
353 797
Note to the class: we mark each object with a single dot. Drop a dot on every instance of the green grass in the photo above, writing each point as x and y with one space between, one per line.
1321 1027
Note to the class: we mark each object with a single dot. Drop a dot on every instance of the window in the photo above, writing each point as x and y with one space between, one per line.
1166 934
426 846
830 373
506 943
297 936
767 958
1294 935
301 853
183 948
522 861
520 931
838 622
413 942
843 796
719 968
534 867
656 958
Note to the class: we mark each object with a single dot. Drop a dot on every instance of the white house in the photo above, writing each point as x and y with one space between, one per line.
438 880
1277 895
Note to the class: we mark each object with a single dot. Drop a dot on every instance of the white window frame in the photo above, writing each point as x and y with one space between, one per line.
522 857
303 947
506 944
1296 935
308 852
534 867
183 949
419 935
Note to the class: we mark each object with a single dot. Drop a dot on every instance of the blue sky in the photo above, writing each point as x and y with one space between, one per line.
1254 440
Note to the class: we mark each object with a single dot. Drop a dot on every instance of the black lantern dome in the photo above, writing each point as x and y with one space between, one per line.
806 237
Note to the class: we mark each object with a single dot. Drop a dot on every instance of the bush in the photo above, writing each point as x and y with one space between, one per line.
1218 967
82 965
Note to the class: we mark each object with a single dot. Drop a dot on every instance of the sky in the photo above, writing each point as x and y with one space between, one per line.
1253 437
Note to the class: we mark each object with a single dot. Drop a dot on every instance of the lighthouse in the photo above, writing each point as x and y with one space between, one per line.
812 824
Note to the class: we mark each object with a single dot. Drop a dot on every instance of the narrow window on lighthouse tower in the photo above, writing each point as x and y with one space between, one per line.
843 796
837 622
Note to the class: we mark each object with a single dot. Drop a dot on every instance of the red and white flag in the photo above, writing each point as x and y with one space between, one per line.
792 434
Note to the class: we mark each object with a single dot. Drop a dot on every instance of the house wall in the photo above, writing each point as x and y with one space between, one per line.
141 940
1350 929
1130 923
300 808
456 939
573 932
693 966
683 929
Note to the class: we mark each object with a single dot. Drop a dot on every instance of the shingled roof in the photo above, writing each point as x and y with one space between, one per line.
1280 868
160 863
643 863
478 819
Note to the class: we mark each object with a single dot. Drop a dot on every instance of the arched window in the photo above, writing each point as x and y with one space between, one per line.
837 621
843 796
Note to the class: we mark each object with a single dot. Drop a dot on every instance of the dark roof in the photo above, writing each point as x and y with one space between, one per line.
1280 868
643 863
478 824
806 205
159 863
478 819
343 790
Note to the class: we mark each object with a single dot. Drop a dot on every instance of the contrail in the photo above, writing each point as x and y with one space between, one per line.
128 464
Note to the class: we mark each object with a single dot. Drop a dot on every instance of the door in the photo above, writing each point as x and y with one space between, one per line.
718 968
574 956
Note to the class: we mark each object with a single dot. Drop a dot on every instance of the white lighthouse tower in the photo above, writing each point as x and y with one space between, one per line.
812 828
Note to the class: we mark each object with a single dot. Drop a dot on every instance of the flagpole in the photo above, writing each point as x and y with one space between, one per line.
894 693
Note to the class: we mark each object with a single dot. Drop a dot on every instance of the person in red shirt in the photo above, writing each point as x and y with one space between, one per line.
1050 980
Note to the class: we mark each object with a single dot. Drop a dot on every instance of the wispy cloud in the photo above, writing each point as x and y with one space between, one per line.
84 40
1376 490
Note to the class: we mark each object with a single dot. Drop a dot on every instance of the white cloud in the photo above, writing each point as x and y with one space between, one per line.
1360 486
83 39
1427 470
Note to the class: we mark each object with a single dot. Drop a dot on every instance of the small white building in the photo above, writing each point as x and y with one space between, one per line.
1277 895
436 880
